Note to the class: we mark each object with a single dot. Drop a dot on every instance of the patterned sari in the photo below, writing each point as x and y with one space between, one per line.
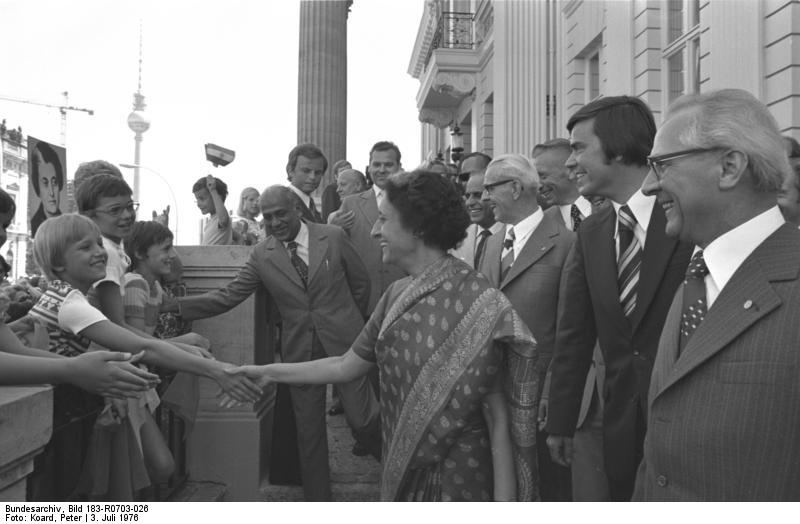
442 341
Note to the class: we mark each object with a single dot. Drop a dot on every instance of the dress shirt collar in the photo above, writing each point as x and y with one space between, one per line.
301 238
305 199
727 252
524 228
584 206
378 192
641 206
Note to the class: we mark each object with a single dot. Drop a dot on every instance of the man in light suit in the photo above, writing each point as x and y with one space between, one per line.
724 418
618 283
483 224
305 168
359 213
524 261
321 289
557 188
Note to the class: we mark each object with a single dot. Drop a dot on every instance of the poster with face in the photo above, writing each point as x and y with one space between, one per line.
46 166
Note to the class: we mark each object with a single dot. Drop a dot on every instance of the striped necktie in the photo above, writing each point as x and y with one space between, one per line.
507 257
629 262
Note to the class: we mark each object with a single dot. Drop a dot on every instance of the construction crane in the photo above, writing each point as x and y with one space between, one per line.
62 109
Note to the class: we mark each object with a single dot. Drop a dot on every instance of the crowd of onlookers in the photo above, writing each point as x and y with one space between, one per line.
611 317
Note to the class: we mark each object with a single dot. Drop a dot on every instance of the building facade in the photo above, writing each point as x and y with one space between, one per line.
14 181
500 76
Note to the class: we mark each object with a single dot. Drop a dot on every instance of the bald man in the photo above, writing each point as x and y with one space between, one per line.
322 290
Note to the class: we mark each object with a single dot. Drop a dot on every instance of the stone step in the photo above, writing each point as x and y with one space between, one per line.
199 492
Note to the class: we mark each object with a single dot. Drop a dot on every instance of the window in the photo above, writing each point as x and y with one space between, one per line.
593 75
681 45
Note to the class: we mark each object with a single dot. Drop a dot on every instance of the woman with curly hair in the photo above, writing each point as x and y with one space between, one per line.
456 362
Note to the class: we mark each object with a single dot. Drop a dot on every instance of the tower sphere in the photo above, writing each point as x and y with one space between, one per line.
138 122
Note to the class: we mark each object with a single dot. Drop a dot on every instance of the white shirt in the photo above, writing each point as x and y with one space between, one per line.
523 230
305 199
584 206
641 206
727 252
302 243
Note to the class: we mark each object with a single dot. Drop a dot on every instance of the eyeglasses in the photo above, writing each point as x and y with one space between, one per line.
116 211
659 163
490 187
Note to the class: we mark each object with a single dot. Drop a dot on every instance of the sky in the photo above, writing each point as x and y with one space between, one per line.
213 71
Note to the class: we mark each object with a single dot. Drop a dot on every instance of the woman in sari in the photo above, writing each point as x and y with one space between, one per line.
456 362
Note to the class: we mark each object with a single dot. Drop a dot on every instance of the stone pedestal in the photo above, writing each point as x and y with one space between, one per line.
322 79
26 424
230 446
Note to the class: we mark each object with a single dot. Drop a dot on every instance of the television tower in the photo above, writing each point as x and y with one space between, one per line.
138 122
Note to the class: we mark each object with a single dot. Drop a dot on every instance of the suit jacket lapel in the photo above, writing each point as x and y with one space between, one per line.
655 258
317 250
491 257
277 254
369 206
601 263
539 243
748 297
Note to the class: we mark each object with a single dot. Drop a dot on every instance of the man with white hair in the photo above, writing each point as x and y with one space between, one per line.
723 418
524 261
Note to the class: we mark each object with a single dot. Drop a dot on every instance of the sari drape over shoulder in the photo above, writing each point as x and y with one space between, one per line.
442 341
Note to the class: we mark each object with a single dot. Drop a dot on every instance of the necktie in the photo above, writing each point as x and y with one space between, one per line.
575 215
507 257
312 207
481 247
298 263
629 262
379 197
694 298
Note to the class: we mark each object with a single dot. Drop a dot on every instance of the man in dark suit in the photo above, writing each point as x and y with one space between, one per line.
305 168
724 418
525 261
321 289
358 215
618 283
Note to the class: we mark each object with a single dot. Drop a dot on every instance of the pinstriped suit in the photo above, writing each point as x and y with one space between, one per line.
724 416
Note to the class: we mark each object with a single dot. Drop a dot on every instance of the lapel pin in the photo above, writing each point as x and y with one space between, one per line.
748 304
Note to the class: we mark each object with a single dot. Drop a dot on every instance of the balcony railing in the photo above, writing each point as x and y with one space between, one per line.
453 31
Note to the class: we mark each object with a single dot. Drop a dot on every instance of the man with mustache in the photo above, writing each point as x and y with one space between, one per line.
483 224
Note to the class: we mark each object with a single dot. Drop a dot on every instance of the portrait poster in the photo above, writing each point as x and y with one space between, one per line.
47 182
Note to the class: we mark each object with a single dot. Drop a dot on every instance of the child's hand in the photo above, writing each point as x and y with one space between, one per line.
211 183
111 374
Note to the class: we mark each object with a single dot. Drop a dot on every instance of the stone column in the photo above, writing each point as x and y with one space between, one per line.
230 446
26 425
322 79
